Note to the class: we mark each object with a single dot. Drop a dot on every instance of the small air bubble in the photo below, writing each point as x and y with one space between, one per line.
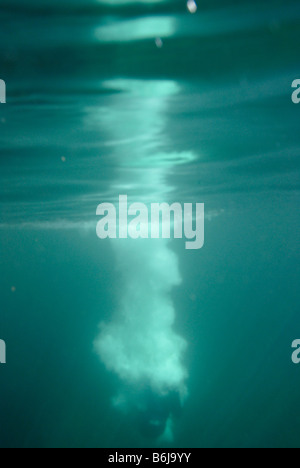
159 43
192 6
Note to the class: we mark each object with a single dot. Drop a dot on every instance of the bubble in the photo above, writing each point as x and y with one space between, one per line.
159 43
192 6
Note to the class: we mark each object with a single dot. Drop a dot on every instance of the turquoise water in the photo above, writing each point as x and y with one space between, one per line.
147 99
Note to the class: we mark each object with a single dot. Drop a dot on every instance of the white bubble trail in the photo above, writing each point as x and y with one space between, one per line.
140 343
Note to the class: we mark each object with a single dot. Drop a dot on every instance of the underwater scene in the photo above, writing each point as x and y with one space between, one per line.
149 224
